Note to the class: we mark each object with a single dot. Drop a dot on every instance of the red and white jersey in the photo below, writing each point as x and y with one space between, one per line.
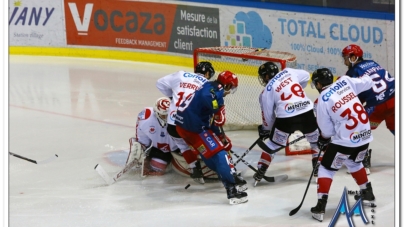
149 132
284 97
340 114
178 86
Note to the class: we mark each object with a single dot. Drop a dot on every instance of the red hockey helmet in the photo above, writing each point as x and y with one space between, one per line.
352 50
228 78
161 109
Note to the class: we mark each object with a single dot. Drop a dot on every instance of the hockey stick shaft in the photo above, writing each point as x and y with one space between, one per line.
34 161
269 179
111 180
258 141
294 211
240 158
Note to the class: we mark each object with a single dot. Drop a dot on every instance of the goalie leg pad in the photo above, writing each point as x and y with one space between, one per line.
135 150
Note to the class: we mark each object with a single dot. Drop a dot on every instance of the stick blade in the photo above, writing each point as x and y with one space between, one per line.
278 178
104 174
294 211
47 160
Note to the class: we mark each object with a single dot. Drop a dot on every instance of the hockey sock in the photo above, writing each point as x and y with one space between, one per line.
360 176
190 158
323 186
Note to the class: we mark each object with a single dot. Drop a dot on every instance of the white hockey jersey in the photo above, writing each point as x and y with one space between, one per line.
149 132
178 86
340 114
284 97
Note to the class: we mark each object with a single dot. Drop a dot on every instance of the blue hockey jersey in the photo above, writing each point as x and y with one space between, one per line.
196 111
383 83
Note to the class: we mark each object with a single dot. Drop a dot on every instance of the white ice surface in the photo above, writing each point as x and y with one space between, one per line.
85 111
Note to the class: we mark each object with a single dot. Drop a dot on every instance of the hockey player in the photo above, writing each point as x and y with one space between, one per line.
285 108
178 86
379 100
340 115
151 130
194 123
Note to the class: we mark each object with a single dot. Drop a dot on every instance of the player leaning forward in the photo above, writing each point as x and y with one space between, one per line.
193 122
285 108
345 133
179 86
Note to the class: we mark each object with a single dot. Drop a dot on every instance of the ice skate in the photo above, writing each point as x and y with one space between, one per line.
319 210
197 174
259 175
367 196
235 197
241 184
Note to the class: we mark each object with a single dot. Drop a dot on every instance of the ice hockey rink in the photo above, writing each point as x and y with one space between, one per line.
84 110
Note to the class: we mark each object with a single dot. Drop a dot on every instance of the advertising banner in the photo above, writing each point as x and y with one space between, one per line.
317 40
36 23
141 25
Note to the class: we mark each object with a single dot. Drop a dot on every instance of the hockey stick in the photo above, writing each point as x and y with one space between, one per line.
269 179
247 151
110 180
33 161
262 143
294 211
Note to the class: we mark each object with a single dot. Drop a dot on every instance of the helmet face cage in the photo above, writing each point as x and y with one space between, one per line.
203 67
267 69
161 110
228 78
322 76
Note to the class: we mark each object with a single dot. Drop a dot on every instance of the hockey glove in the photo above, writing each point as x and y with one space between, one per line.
219 118
226 143
369 110
263 134
322 143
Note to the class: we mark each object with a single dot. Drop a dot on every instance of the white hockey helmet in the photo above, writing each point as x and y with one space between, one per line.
161 109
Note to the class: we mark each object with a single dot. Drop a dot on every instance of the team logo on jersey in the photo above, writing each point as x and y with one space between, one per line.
333 89
162 134
172 115
291 107
209 140
152 129
201 148
362 135
164 147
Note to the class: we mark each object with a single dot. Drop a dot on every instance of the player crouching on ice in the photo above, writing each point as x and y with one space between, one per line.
151 131
345 133
193 122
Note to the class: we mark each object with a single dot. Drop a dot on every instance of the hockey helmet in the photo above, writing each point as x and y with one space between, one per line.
228 78
203 67
161 110
322 76
352 50
268 68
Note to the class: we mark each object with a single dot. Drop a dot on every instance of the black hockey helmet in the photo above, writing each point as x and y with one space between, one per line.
323 76
203 67
267 69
